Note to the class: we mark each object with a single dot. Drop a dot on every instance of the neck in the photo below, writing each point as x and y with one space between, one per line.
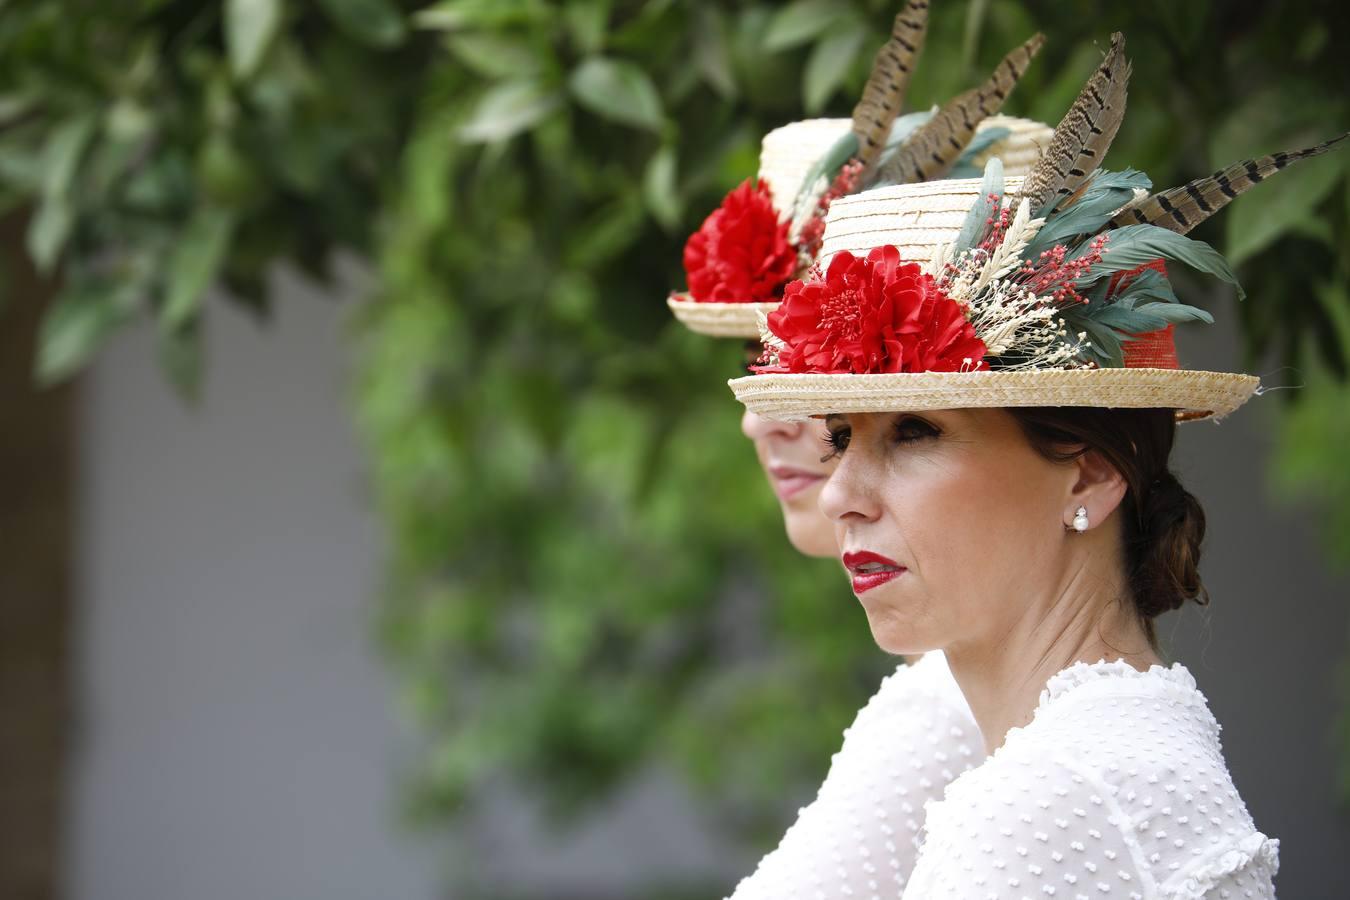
1085 619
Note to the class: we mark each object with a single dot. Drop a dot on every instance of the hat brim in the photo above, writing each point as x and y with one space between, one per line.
738 320
1194 394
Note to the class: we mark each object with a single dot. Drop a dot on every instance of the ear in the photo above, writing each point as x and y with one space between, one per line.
1098 486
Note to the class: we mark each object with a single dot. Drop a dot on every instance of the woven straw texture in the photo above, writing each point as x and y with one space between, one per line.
917 218
788 153
738 320
1194 394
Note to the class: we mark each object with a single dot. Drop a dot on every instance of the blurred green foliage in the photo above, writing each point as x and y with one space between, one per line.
586 573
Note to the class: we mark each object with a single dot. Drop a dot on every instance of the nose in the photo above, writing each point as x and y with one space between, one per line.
757 428
849 496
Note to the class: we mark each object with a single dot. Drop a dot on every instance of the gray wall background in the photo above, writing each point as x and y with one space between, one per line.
235 735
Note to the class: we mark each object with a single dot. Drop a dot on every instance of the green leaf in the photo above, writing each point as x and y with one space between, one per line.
712 54
799 22
250 26
1255 225
378 23
80 317
180 357
1135 245
55 217
617 90
586 20
495 55
829 62
193 264
451 15
507 109
658 187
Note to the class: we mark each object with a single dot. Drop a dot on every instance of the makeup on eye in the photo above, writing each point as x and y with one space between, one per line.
911 429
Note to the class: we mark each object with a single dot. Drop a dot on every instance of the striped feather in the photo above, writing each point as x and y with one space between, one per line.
884 95
1084 134
934 148
1182 208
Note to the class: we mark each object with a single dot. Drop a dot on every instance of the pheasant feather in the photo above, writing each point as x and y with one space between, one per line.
1084 134
1182 208
884 93
934 148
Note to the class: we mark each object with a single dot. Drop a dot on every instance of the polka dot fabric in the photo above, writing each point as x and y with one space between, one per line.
858 838
1116 790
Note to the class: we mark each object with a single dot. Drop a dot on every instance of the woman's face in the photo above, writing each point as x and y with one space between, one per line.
966 522
790 453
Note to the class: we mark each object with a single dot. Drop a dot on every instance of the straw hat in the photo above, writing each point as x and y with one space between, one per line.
921 222
767 231
1046 290
787 156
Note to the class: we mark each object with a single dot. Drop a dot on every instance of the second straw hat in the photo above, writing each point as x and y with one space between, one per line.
767 232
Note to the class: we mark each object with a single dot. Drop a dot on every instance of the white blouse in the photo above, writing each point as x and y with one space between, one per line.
1116 789
858 838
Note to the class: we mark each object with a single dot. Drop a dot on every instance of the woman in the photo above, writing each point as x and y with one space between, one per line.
858 837
1003 412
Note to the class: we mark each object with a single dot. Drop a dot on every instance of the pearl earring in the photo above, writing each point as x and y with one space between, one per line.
1080 520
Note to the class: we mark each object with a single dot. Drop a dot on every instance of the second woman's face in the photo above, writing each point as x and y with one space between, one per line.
790 454
946 521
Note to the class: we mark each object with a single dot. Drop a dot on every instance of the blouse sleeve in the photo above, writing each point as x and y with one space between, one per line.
1027 828
858 837
1032 825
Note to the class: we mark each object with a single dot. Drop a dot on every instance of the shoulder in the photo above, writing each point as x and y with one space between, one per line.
1119 776
919 716
1029 822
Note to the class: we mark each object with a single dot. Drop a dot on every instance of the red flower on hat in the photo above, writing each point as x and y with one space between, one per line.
741 254
873 315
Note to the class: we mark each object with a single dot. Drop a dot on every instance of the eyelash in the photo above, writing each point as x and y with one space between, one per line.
837 441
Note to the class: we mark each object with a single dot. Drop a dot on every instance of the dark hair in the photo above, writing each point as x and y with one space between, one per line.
1162 523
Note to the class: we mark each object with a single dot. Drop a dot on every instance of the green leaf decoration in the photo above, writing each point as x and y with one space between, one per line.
799 22
965 166
843 150
617 90
1150 285
979 214
829 62
1106 193
507 109
901 129
1135 245
250 26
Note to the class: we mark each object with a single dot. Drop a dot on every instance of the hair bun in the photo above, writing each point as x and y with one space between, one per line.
1171 530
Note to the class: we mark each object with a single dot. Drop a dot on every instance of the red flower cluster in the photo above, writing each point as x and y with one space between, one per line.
873 315
741 254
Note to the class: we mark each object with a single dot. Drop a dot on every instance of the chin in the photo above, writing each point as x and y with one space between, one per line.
897 635
808 532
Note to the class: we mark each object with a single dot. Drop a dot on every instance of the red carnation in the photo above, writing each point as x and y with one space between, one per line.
873 315
741 254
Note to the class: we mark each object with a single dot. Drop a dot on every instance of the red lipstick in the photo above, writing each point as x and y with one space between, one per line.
871 570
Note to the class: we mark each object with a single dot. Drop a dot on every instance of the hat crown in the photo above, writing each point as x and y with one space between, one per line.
917 219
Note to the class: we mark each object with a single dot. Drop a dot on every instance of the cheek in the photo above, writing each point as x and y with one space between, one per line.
969 521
